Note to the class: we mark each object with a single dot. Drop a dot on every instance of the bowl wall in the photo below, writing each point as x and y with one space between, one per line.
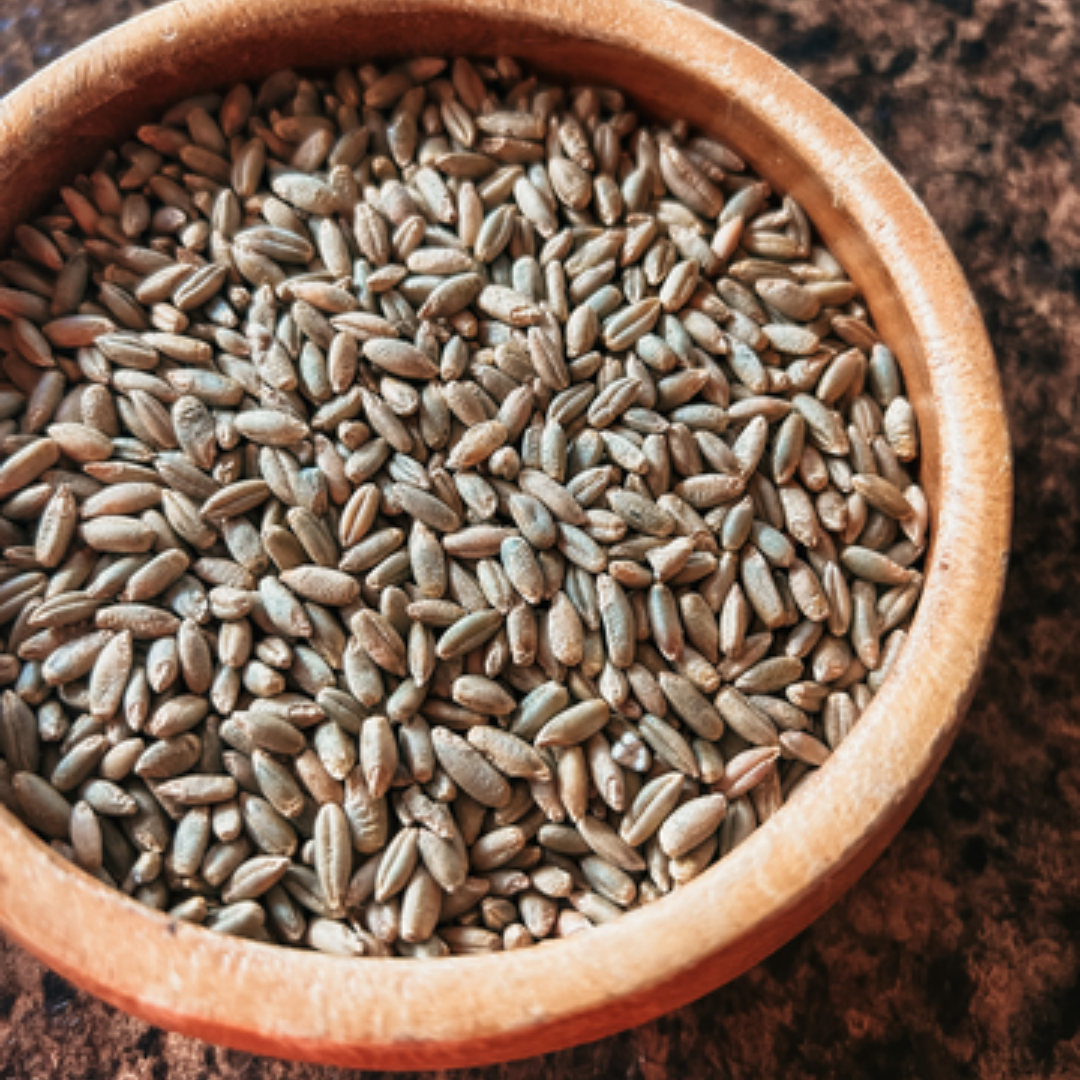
409 1014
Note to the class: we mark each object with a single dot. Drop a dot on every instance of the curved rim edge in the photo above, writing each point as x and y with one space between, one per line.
781 863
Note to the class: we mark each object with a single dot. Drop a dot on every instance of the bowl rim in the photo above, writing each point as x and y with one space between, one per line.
472 1010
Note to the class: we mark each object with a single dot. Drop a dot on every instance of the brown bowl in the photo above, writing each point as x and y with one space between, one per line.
407 1014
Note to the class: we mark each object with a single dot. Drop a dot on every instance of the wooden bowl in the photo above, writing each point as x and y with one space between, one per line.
404 1014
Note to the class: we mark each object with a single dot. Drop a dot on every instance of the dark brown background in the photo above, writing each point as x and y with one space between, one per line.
958 954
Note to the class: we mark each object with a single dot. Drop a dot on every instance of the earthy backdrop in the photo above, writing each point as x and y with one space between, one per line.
958 955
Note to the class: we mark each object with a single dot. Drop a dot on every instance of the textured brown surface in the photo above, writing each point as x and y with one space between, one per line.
955 956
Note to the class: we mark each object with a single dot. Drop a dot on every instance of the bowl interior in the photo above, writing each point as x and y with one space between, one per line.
671 63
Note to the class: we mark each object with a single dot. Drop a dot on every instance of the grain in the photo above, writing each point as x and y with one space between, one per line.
438 534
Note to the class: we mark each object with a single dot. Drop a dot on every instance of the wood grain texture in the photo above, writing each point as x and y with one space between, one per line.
461 1011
